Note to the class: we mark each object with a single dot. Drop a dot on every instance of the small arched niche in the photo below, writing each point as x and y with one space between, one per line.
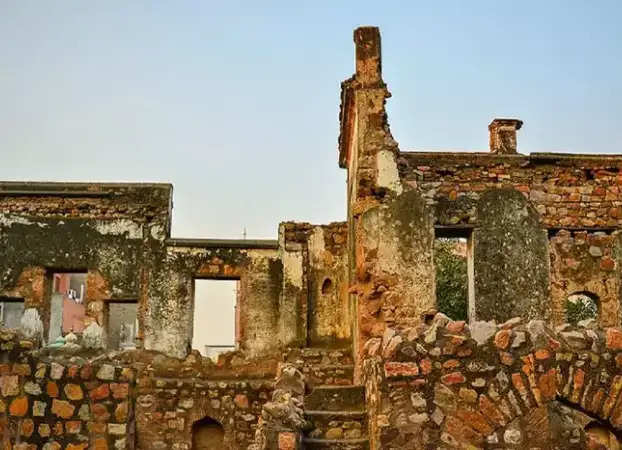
207 434
327 286
600 436
581 305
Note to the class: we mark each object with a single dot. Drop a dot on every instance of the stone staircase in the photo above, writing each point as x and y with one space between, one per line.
334 406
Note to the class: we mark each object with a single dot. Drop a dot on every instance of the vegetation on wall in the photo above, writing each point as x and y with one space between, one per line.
451 277
579 307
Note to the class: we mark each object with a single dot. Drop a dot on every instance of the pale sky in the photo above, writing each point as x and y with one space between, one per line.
236 103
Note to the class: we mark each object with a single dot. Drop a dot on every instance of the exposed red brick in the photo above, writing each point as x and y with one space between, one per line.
401 369
52 389
542 354
19 406
461 431
287 441
426 366
62 409
99 393
475 421
502 339
453 378
547 383
614 339
491 412
119 390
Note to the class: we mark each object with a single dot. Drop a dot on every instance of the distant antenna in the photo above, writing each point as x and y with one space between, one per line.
244 234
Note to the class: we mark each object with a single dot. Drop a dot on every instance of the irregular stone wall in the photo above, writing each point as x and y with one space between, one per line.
71 404
586 262
166 409
76 398
494 386
567 191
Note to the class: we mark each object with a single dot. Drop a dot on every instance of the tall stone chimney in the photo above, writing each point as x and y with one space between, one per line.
503 135
368 56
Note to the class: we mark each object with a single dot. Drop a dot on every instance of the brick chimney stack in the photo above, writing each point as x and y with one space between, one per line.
503 135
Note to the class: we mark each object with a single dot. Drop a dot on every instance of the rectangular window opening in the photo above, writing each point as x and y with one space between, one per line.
11 312
122 324
67 304
216 316
453 262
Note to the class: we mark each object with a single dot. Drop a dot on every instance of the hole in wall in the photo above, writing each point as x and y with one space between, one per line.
581 306
327 286
600 435
215 316
207 433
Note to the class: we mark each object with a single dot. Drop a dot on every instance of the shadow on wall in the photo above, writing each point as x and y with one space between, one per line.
207 433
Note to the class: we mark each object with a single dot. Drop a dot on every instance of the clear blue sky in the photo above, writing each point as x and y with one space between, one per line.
237 104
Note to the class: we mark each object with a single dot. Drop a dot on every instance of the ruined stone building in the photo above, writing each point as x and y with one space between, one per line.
340 345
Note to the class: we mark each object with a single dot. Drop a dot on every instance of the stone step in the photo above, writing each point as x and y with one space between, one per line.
335 398
319 356
340 375
337 424
335 444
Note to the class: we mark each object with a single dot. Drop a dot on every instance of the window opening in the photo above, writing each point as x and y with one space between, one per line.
122 324
67 304
216 316
11 312
454 273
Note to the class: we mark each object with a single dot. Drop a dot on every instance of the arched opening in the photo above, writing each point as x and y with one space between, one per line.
207 434
581 306
327 286
600 436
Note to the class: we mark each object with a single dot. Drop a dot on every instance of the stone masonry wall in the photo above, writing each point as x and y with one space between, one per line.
567 191
585 262
517 385
70 405
167 408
